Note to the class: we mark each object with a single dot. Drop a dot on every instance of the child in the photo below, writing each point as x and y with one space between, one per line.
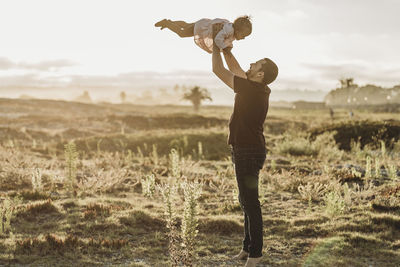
202 31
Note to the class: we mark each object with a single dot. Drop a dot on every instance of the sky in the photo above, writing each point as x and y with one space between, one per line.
101 44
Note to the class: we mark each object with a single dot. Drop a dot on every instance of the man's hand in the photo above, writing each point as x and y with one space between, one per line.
227 50
216 28
232 63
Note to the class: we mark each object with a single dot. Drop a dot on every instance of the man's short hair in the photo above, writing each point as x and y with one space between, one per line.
270 70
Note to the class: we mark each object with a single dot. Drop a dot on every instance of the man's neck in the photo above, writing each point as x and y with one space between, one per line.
255 80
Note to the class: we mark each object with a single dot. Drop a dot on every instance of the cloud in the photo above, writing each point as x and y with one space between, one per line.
334 71
296 14
48 65
129 80
6 64
360 71
300 83
30 80
148 79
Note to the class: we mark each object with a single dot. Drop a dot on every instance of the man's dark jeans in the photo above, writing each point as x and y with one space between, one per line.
248 163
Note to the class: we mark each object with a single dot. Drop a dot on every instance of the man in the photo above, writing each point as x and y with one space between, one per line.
246 138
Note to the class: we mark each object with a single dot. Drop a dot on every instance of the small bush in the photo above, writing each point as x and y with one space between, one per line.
96 210
288 181
40 208
387 199
312 191
148 185
334 203
326 146
33 195
323 146
296 146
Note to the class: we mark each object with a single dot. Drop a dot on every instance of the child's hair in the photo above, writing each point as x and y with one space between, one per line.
243 22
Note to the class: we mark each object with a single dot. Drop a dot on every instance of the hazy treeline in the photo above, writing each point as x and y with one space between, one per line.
353 95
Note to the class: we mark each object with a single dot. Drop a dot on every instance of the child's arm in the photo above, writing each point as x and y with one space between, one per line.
232 63
226 31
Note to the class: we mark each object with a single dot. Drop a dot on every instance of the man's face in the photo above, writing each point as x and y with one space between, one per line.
255 69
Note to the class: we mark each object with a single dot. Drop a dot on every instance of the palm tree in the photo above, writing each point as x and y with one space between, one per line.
347 83
196 95
122 95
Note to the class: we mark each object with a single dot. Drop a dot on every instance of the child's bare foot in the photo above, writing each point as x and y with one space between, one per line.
161 24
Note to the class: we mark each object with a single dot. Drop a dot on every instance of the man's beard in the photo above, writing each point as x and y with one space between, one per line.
247 73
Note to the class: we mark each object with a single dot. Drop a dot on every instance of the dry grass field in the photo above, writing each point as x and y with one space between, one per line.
82 185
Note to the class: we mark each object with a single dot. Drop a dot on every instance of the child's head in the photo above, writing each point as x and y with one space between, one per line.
242 26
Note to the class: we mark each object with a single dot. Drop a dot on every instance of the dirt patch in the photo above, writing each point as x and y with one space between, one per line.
220 226
140 219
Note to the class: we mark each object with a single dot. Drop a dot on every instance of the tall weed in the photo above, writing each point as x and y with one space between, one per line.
71 156
192 192
37 184
148 185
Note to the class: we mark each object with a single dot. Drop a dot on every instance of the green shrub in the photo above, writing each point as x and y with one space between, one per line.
296 146
148 185
312 191
334 203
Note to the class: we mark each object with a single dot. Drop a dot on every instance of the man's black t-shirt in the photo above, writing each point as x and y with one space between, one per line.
249 112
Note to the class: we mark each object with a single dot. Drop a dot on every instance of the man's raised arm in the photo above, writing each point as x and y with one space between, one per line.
232 63
217 65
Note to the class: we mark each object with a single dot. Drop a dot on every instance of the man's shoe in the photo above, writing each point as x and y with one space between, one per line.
252 262
241 256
